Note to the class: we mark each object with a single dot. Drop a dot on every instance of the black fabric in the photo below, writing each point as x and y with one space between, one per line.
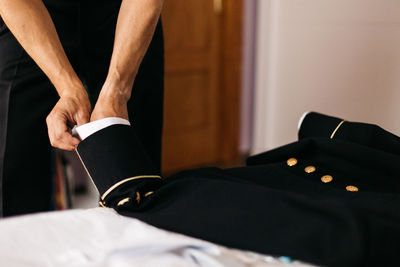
373 136
272 208
86 30
116 152
318 125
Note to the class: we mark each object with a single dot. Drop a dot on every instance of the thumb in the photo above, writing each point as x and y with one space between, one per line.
82 118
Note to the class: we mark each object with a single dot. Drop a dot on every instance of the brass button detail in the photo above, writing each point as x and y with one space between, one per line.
148 193
123 201
309 169
326 178
351 188
291 162
137 197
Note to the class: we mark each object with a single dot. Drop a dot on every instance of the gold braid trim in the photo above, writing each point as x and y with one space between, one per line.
125 181
84 166
337 128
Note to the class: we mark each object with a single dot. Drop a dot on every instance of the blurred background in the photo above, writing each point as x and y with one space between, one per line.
240 73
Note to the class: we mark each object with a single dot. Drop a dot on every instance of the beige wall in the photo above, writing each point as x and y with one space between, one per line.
340 57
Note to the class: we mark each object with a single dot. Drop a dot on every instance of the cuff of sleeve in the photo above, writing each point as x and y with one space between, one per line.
90 128
318 125
131 192
115 156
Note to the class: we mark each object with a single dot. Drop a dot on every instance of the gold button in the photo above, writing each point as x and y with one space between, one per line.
123 201
148 193
291 162
137 197
309 169
326 179
351 188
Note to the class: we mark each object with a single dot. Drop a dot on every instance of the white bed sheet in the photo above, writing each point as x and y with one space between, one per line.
101 237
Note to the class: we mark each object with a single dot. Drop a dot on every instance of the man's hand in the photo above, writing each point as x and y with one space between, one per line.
32 25
71 109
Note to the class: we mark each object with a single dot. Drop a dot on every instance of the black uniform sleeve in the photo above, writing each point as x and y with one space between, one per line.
316 125
118 165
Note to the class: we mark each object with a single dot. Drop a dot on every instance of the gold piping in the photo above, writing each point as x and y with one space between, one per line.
337 128
127 180
84 166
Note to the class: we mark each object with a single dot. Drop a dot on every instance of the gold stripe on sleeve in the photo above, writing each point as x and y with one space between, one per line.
84 166
337 128
127 180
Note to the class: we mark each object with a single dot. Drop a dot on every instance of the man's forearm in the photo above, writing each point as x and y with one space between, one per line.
31 24
137 20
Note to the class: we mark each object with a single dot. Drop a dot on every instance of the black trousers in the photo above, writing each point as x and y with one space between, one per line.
86 30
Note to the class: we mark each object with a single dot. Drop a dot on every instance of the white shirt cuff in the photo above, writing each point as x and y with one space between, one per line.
301 119
90 128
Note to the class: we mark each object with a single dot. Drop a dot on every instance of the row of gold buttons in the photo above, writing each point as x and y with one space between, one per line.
128 199
325 179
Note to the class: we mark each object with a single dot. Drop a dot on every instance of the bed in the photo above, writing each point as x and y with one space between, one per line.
100 237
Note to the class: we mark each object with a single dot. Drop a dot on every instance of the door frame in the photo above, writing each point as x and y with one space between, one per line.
231 75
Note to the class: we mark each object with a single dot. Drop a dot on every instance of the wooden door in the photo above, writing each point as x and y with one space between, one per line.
194 93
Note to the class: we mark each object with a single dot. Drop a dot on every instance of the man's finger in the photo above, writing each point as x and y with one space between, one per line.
59 135
65 141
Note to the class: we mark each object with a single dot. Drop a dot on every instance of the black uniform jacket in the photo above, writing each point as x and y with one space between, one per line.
331 198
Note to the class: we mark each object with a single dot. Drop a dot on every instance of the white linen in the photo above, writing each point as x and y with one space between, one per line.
90 128
100 237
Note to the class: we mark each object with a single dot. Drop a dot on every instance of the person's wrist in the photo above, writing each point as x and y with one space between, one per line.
68 84
113 97
72 91
117 90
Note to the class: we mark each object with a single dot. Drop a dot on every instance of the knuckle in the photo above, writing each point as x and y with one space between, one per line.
49 117
53 143
80 115
58 136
